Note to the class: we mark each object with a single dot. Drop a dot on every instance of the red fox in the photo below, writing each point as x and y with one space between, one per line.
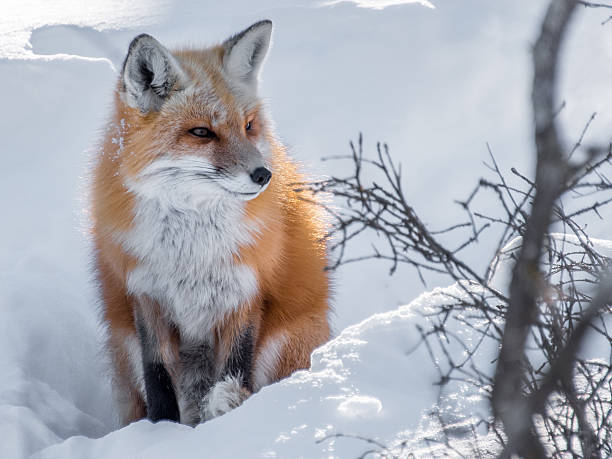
211 268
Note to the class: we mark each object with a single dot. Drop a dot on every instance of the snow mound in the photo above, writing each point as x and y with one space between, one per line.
374 381
53 376
25 17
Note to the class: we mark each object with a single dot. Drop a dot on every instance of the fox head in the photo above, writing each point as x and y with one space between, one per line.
194 126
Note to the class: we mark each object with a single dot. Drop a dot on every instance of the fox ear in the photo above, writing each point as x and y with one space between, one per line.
246 51
149 73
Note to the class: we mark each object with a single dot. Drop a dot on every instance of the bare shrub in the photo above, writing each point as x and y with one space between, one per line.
547 397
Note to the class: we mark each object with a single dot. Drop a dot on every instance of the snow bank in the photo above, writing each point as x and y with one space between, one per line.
53 383
373 381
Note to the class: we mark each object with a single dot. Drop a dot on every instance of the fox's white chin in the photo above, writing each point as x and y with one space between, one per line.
245 195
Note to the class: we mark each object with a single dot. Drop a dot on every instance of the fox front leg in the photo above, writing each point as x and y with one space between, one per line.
206 390
197 376
159 390
236 384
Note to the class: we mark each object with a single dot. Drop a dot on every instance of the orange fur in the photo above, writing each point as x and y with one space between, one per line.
288 256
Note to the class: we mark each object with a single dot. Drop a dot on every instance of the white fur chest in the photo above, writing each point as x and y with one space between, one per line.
186 261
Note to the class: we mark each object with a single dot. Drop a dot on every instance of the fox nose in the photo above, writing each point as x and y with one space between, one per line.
261 176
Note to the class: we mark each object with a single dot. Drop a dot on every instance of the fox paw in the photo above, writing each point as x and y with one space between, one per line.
224 396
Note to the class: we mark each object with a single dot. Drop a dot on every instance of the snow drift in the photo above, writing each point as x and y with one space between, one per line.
373 381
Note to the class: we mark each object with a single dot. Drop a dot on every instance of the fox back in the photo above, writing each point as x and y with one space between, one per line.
211 267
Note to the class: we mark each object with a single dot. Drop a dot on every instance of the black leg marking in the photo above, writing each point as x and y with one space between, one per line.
161 399
241 359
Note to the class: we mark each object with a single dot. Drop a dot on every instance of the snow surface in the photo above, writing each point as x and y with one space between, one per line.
379 4
370 381
435 83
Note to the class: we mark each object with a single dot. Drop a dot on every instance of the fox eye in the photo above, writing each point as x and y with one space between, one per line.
248 126
202 132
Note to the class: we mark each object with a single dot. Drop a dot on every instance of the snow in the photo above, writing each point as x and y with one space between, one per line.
26 16
500 278
380 4
357 385
50 361
435 83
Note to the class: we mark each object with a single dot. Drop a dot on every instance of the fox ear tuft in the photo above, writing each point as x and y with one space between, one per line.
246 51
149 73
